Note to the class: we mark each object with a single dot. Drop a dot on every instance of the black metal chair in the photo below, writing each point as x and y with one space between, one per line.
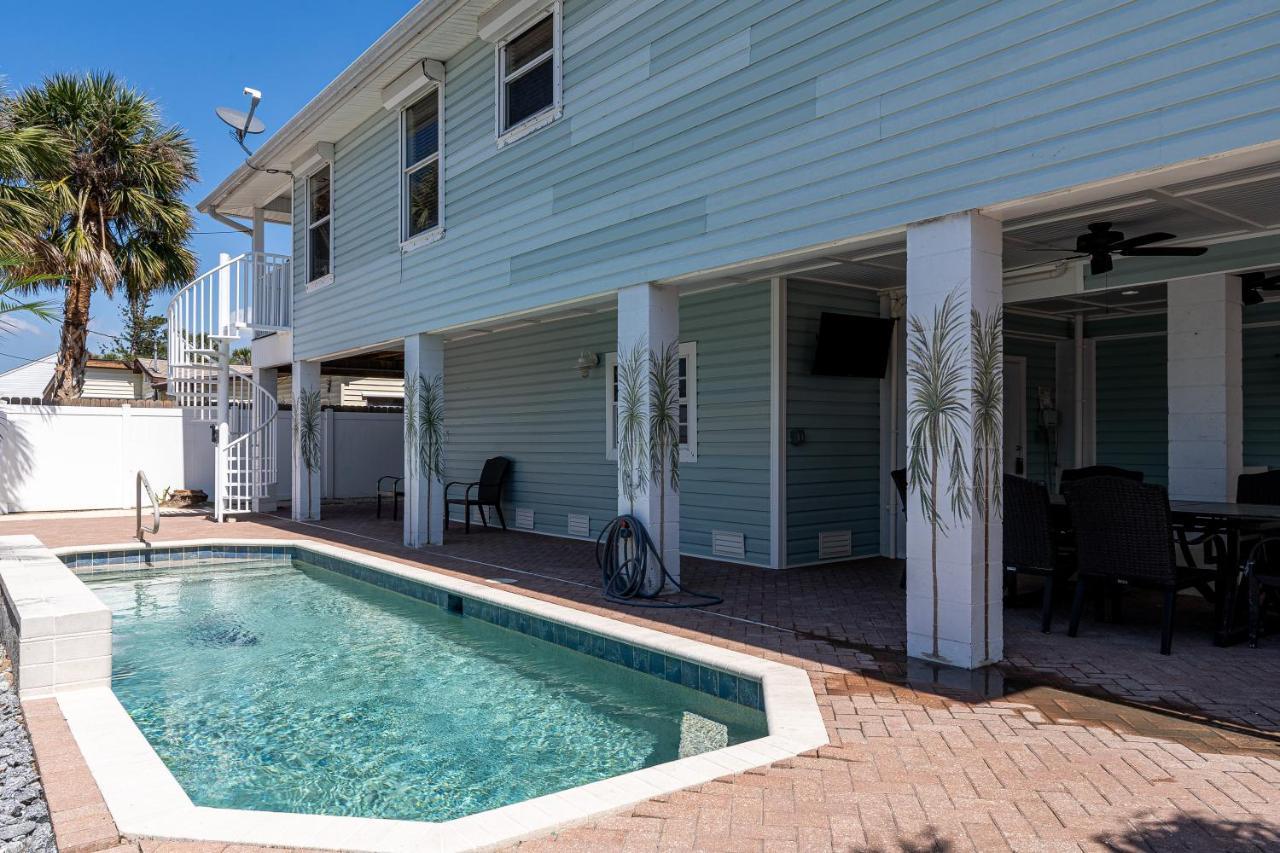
1074 475
1030 546
1124 535
488 492
1262 574
392 491
899 477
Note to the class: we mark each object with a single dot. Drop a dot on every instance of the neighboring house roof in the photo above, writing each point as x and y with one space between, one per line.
27 380
157 371
108 379
349 99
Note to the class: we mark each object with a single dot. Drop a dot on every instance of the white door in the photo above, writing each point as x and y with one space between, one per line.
1015 415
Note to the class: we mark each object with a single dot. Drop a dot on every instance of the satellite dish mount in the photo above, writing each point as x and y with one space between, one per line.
242 124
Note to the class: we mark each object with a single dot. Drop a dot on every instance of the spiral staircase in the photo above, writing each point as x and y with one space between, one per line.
207 319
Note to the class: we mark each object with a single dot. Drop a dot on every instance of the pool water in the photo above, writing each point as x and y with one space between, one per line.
286 687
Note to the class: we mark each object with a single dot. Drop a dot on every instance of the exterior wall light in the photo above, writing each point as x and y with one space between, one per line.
586 361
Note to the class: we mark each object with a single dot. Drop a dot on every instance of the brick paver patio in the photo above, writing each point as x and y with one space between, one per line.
1096 742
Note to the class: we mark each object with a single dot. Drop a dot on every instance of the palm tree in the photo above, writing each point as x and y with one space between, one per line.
117 218
988 433
664 430
25 153
11 299
937 414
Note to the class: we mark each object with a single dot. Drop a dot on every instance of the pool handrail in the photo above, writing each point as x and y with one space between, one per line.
141 482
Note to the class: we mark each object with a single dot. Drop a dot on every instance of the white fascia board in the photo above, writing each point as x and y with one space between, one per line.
420 77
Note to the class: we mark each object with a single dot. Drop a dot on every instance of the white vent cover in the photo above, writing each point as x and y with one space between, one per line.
728 543
833 544
524 518
579 525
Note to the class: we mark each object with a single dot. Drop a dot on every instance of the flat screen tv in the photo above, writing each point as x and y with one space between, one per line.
849 345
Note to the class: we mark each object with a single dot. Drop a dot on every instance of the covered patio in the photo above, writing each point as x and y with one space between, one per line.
1071 744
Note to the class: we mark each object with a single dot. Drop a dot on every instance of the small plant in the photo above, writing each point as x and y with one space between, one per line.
306 426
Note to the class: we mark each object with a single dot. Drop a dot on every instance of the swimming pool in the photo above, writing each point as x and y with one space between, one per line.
282 686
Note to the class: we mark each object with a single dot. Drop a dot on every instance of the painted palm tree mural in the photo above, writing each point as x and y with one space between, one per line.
937 419
424 428
664 428
633 450
987 346
307 425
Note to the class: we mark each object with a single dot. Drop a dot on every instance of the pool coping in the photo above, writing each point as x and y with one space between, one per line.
145 799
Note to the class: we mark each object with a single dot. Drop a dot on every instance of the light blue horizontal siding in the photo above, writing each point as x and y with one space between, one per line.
518 394
698 133
833 479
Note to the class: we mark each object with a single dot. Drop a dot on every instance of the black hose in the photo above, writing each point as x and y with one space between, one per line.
623 551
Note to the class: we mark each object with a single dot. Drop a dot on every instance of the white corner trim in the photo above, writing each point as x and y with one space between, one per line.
145 800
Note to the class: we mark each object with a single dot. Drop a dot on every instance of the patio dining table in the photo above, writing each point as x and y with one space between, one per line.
1229 519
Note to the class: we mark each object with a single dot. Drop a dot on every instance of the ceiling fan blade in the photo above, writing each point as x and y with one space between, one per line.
1099 264
1142 240
1260 279
1165 252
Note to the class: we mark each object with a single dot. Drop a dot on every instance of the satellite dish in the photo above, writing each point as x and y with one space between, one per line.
242 123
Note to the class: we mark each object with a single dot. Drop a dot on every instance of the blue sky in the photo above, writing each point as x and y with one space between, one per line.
190 58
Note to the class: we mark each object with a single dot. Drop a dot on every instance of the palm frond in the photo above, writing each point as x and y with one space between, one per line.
633 450
430 438
988 408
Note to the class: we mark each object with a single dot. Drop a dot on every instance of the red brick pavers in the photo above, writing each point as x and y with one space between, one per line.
909 767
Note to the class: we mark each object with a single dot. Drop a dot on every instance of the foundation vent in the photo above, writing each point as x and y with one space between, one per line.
579 525
729 543
524 518
834 544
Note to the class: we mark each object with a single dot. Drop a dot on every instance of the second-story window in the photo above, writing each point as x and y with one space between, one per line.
421 188
319 217
529 75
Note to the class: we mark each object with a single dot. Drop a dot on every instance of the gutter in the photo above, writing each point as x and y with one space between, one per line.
423 17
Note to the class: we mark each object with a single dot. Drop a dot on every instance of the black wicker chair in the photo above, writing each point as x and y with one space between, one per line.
1124 535
1030 546
488 492
1075 475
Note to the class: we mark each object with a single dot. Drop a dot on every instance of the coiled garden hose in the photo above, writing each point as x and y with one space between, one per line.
623 552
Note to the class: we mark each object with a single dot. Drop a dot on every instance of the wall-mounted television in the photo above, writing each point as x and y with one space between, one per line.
849 345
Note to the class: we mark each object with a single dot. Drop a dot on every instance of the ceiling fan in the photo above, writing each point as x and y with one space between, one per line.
1100 243
1253 283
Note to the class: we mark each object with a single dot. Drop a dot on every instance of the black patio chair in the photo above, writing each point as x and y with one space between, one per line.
1260 488
1030 544
1073 475
389 487
488 492
1124 535
1262 574
899 477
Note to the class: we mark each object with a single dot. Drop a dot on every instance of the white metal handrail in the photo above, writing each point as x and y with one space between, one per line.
140 483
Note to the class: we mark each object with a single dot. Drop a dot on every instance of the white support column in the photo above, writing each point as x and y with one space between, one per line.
778 424
423 495
222 403
268 378
954 565
259 237
1206 398
307 485
649 316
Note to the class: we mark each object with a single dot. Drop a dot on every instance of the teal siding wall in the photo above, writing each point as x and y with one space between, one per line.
699 133
1262 387
1132 387
833 479
518 394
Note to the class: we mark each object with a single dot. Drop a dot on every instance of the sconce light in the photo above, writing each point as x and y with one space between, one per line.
586 361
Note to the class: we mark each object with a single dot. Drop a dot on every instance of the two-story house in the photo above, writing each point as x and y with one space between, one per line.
508 195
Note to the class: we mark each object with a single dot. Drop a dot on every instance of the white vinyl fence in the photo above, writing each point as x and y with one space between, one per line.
57 458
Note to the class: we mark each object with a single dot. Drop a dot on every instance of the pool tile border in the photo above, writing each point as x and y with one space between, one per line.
146 801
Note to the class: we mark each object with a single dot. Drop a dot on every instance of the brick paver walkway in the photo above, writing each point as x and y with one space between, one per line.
1089 743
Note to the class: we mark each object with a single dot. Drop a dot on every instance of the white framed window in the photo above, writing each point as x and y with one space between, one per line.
421 170
688 370
319 226
529 78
